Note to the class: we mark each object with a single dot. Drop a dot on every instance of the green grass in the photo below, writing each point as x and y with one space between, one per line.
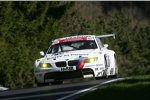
137 88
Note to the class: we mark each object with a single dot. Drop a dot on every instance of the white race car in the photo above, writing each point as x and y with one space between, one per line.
76 57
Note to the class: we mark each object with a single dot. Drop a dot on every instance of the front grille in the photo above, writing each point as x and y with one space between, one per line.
64 63
61 64
73 62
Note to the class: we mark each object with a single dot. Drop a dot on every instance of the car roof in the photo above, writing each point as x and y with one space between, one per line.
73 38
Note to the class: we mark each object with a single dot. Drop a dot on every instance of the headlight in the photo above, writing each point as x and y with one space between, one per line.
44 65
90 60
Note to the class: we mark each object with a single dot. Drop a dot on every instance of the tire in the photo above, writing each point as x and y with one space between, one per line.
57 82
42 84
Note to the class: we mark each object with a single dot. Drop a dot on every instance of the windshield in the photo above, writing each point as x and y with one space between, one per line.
72 45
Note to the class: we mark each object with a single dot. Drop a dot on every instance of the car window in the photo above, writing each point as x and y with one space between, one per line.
73 45
88 45
54 49
66 48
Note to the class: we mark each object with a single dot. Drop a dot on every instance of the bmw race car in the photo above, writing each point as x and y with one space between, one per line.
82 56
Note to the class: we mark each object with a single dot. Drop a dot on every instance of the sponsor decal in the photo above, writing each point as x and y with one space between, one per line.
99 64
66 55
51 58
90 65
73 38
101 68
96 69
78 54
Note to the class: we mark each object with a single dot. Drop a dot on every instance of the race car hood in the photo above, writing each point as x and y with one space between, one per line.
71 55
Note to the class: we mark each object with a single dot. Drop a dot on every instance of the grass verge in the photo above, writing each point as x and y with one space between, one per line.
136 88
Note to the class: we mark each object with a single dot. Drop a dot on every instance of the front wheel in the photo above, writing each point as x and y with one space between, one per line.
42 84
57 82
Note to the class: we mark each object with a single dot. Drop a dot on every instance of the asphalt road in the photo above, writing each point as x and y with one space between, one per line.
51 92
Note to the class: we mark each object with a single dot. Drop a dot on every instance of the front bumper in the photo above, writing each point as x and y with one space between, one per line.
63 75
54 76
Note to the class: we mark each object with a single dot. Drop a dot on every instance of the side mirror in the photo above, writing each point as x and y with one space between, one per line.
106 45
42 53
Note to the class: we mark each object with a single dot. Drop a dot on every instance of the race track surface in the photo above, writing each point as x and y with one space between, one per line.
51 92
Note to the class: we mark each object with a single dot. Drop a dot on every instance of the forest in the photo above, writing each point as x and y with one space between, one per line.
28 27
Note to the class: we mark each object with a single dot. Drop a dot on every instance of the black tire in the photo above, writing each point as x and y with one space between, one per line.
42 84
98 78
56 82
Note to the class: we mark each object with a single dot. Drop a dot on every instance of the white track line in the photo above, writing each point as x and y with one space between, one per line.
90 89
